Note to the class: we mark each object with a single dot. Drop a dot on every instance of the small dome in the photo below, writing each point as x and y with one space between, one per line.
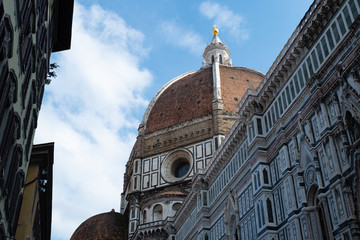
104 226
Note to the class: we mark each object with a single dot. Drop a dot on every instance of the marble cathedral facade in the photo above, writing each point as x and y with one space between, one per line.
288 168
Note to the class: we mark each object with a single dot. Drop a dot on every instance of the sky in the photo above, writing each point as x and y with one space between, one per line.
122 53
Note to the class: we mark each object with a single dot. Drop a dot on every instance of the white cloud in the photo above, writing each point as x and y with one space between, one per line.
87 113
184 38
225 19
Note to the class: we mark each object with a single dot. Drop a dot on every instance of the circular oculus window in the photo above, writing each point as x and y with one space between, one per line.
176 166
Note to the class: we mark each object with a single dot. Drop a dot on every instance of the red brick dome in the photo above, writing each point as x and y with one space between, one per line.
190 96
104 226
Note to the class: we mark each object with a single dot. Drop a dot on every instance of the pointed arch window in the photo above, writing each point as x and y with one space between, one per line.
266 177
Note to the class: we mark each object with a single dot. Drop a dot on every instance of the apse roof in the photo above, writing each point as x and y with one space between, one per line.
106 226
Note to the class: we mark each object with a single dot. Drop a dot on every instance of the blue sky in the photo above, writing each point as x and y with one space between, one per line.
122 53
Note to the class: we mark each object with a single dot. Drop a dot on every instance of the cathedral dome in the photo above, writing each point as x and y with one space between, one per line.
191 95
104 226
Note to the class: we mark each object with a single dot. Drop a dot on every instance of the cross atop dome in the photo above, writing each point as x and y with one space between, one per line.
216 51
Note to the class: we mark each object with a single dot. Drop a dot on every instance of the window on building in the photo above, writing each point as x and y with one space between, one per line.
158 213
296 83
132 227
284 100
324 46
305 71
221 59
300 77
292 89
144 216
136 166
259 217
341 24
266 124
329 37
310 66
259 126
265 176
335 32
176 207
269 211
205 199
273 114
262 212
314 60
319 53
347 16
133 213
212 59
135 183
353 9
270 120
288 94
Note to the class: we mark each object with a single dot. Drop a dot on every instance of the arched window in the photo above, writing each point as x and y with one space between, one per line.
269 211
158 212
176 207
221 60
212 59
266 177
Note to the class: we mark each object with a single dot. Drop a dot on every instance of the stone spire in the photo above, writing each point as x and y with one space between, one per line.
216 51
